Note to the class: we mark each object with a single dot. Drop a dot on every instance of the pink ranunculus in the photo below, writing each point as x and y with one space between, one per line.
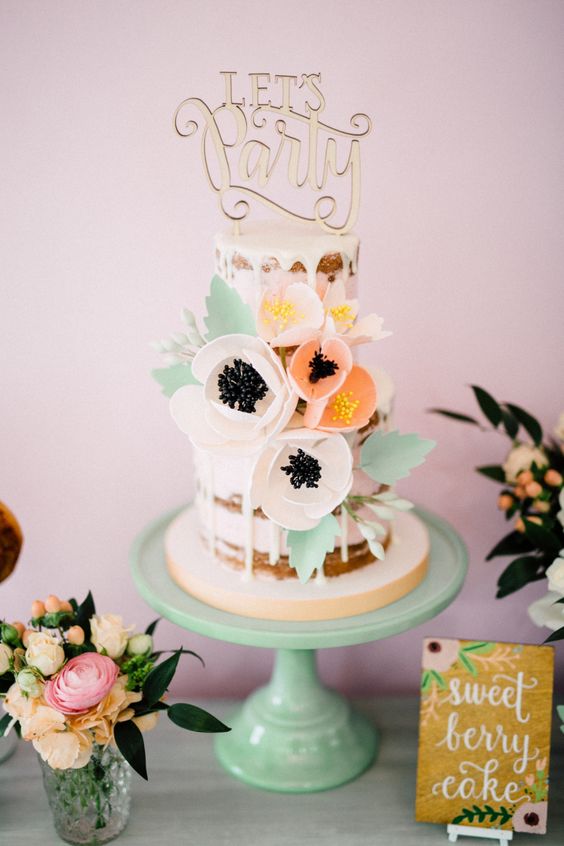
82 683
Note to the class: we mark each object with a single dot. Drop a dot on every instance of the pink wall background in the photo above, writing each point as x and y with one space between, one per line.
108 226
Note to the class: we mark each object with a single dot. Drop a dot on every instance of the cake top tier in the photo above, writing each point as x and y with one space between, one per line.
288 244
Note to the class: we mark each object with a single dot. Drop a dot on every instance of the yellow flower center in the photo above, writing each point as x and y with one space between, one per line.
342 314
282 311
344 407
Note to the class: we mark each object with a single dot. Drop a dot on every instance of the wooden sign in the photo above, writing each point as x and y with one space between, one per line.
484 734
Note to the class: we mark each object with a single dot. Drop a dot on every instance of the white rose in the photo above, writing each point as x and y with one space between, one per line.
29 683
244 399
555 574
521 458
560 515
44 652
109 635
140 644
559 429
301 476
5 656
547 611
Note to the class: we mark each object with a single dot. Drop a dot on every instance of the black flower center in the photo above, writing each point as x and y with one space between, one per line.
531 819
320 367
241 385
434 646
303 469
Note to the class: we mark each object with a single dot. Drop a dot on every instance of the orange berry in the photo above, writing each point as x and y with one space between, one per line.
505 501
25 637
533 489
52 604
65 605
519 525
553 478
37 609
537 520
20 628
520 492
524 477
75 635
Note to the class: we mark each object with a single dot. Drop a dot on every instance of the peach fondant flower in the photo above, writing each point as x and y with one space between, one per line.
341 317
319 368
245 398
300 477
82 683
288 314
349 408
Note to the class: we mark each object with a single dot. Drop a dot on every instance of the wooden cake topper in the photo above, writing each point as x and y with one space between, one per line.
241 166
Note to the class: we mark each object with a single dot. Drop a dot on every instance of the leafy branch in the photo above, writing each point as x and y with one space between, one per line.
481 815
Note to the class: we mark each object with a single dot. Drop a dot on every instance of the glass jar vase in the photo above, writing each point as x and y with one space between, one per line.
90 805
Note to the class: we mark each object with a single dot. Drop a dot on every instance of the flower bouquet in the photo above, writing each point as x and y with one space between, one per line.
83 688
532 498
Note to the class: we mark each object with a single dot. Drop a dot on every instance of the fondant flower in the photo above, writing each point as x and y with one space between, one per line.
288 314
341 317
547 611
439 654
319 368
349 408
300 477
244 400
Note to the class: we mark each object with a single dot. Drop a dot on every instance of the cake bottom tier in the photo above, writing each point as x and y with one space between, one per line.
373 586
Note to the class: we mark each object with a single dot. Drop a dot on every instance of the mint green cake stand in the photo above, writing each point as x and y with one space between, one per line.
295 735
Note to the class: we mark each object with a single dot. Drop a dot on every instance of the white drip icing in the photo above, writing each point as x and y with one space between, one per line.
274 550
320 578
210 503
288 244
248 519
344 536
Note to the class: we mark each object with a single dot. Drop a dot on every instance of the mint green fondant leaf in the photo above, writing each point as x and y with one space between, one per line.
174 377
227 313
308 549
389 456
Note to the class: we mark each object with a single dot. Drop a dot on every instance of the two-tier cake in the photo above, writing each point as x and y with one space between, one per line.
295 455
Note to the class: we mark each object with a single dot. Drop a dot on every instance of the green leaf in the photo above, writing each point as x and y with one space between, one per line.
439 679
192 718
129 741
150 630
159 678
510 424
479 647
492 471
512 544
425 681
308 549
4 723
528 422
454 415
557 635
560 712
467 663
85 611
389 456
182 652
174 377
490 408
542 538
227 313
518 574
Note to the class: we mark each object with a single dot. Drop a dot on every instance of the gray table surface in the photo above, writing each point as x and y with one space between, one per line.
191 800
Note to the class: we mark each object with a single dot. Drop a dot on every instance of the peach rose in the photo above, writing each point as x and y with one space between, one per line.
115 707
109 635
147 722
17 705
82 683
64 750
43 720
44 652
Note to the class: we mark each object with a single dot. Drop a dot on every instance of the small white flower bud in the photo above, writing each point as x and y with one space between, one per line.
139 644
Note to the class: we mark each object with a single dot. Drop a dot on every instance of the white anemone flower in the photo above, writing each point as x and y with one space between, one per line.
547 611
244 399
301 476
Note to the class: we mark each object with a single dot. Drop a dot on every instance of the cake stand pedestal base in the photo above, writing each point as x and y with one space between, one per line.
295 735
